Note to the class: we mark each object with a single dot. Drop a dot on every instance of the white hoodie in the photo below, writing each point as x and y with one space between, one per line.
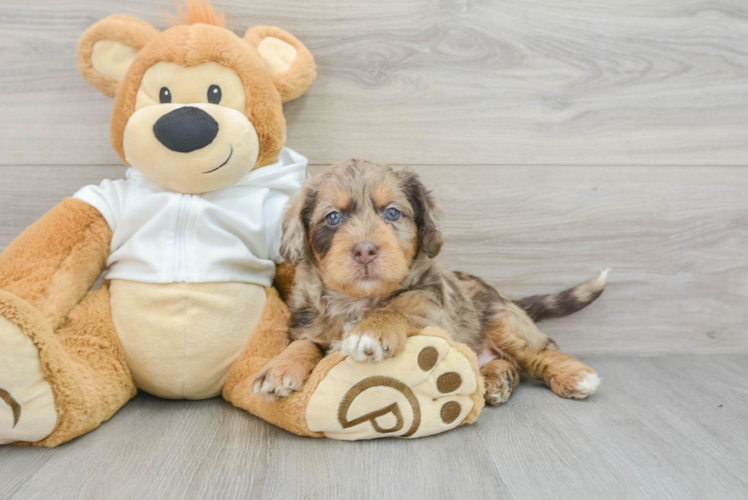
232 234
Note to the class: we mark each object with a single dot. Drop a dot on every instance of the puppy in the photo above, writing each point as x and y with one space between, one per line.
363 238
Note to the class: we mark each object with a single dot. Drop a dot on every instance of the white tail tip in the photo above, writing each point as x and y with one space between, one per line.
599 282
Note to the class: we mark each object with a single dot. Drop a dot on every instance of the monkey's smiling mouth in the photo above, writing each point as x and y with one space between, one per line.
224 163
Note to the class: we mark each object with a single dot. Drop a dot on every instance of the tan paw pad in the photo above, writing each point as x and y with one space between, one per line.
425 390
27 407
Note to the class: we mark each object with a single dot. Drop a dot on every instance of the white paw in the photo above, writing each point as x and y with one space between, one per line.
362 348
270 386
586 386
27 406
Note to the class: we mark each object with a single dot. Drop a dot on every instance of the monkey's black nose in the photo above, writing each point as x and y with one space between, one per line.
185 129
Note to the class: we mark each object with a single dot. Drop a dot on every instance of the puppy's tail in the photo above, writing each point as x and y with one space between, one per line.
540 307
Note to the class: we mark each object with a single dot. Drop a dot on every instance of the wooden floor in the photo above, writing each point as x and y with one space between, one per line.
661 427
560 138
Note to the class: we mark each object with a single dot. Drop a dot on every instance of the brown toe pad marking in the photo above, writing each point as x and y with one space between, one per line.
427 358
450 411
14 406
448 382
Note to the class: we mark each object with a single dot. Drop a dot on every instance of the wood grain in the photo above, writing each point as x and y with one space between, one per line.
580 82
661 427
561 138
675 238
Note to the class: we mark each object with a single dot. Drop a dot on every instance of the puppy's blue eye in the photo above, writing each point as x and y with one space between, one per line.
333 218
392 214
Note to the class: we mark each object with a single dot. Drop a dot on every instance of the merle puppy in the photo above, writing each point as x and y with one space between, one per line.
363 237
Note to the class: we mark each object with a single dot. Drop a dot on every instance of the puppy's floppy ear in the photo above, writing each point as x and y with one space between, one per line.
296 222
426 214
107 49
290 63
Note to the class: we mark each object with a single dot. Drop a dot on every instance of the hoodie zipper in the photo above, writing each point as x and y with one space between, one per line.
180 239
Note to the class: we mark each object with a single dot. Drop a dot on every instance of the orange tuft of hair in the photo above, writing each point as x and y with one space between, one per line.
198 12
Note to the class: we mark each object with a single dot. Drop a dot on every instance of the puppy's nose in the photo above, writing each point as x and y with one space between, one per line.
364 252
185 129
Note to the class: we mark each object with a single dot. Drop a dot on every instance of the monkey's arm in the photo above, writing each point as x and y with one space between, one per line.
56 260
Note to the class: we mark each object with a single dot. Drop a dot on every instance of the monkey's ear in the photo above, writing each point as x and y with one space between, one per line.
427 214
107 49
290 63
296 220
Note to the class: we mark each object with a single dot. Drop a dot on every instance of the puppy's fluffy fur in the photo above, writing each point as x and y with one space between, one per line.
363 238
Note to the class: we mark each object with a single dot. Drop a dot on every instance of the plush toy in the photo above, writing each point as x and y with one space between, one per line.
190 245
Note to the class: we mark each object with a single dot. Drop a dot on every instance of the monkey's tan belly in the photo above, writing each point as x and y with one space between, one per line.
180 339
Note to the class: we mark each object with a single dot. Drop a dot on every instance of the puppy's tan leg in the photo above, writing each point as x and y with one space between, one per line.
288 371
500 377
517 335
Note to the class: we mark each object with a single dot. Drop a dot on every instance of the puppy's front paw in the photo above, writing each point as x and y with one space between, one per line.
369 343
363 347
278 379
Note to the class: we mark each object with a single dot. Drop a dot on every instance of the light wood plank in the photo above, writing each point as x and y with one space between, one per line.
661 427
674 236
27 193
497 82
508 110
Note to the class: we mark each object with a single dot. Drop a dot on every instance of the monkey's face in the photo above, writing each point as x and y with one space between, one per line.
196 107
189 132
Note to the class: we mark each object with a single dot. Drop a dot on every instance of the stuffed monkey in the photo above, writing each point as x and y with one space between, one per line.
189 242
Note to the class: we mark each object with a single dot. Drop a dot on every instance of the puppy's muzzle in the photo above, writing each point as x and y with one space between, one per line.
364 252
185 129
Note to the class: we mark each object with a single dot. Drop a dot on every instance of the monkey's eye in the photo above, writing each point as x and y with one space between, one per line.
214 94
333 218
392 214
164 95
